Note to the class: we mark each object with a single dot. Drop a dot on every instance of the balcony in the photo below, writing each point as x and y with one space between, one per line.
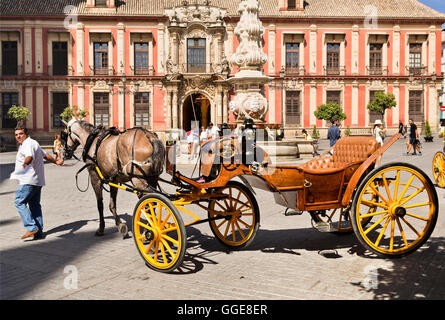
102 71
416 70
146 71
376 71
294 70
334 71
197 68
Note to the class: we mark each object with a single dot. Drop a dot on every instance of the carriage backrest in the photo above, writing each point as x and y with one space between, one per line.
353 149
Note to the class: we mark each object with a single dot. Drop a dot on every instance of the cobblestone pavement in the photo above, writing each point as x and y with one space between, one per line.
289 259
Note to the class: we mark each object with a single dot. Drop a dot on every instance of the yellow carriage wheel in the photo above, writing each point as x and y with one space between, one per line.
236 214
159 232
404 212
439 169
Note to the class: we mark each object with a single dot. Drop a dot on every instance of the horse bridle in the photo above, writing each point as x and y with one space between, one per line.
64 136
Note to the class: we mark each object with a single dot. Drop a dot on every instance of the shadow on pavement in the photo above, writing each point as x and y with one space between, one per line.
5 171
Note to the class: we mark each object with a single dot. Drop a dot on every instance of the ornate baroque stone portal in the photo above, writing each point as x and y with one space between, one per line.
249 102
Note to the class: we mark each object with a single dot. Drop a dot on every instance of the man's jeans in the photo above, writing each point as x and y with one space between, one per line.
29 196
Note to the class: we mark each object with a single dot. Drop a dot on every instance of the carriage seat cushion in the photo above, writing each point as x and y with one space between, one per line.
347 150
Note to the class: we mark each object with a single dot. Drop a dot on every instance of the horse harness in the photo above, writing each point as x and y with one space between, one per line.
113 131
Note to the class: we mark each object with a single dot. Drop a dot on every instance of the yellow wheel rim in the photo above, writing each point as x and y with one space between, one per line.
401 203
157 234
439 169
238 212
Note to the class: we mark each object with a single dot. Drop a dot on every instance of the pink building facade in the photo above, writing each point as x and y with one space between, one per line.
161 64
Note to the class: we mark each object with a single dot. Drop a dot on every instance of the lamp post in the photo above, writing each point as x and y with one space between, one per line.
124 92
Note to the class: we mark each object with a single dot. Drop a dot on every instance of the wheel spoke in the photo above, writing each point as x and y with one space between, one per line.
411 227
385 182
406 187
401 231
404 200
169 249
417 205
376 224
382 232
396 184
149 246
417 217
166 237
143 225
239 229
373 204
391 241
378 193
163 252
372 214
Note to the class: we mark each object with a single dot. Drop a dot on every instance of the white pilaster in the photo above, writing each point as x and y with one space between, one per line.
120 48
80 33
396 50
313 49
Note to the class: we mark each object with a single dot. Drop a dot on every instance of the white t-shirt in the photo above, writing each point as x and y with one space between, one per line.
34 172
378 137
214 132
203 135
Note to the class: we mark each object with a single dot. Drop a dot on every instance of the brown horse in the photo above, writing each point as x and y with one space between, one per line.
135 155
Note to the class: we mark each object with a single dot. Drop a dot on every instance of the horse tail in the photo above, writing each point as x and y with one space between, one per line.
158 156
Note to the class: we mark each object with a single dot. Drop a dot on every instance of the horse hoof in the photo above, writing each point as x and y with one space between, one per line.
123 229
99 233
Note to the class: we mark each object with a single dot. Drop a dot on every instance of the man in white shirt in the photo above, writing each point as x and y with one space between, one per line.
212 131
29 171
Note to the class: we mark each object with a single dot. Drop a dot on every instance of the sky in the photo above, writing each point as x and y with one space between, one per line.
438 5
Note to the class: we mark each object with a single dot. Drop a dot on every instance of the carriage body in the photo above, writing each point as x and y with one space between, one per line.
374 203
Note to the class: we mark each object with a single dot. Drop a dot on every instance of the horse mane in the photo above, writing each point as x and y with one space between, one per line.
86 125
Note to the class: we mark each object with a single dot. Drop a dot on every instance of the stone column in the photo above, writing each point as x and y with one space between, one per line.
313 49
27 42
313 102
169 109
229 49
28 101
219 112
396 109
355 49
175 108
225 110
161 50
120 48
432 50
80 95
272 104
80 33
39 49
396 50
271 53
355 103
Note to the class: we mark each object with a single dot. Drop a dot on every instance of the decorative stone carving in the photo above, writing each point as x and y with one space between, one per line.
189 13
249 102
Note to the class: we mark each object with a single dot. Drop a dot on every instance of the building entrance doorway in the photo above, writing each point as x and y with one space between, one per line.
196 108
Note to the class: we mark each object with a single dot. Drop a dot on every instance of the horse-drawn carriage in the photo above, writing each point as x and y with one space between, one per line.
392 209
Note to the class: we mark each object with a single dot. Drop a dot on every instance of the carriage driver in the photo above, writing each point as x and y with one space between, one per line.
29 171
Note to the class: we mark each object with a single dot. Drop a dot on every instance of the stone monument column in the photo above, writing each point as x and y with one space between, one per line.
249 102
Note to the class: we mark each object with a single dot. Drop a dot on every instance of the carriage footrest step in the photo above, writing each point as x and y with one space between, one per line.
323 226
290 212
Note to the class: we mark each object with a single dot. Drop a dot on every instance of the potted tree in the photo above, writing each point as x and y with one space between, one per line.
428 134
330 111
74 111
382 101
19 113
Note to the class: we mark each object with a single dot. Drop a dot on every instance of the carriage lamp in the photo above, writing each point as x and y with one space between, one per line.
248 142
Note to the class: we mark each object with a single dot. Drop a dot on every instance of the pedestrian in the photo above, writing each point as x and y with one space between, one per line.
379 134
212 131
414 141
195 141
442 132
401 128
204 136
57 147
333 132
29 171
